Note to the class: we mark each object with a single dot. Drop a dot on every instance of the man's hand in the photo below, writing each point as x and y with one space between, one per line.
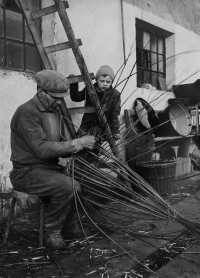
88 142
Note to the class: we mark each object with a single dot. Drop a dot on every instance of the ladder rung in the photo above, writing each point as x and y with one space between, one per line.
81 110
60 46
48 10
79 78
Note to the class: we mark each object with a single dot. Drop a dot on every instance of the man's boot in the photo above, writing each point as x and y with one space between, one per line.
54 240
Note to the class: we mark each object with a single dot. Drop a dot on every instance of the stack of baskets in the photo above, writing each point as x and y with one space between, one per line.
159 174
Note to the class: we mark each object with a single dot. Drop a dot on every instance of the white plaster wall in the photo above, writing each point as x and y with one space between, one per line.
16 88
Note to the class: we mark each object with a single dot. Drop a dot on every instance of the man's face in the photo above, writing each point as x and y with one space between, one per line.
53 102
104 82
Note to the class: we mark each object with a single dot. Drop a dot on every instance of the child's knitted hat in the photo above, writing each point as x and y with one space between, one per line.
105 70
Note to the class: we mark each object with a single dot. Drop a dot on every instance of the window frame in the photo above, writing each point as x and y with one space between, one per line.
22 42
158 33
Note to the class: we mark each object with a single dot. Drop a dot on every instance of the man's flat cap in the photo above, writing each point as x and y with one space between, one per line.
53 82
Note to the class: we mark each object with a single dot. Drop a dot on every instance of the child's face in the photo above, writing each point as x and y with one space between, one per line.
104 82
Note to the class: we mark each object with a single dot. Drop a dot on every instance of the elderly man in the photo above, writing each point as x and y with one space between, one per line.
37 143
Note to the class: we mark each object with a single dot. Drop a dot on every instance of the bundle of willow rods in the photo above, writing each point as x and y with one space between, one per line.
98 185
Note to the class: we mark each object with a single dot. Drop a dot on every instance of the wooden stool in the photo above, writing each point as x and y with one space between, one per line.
8 194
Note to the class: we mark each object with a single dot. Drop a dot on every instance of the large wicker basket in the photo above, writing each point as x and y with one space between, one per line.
159 174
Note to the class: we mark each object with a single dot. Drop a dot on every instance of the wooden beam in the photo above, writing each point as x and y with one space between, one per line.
81 110
60 46
84 71
27 10
79 78
7 194
48 10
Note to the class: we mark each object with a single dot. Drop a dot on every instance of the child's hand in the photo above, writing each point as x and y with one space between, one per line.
71 75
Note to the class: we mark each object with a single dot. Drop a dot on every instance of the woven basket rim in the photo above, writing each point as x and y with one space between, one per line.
161 163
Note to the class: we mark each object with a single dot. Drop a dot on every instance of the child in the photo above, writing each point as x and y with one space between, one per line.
110 103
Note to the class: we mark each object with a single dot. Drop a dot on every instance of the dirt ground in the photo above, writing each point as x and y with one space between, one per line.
175 253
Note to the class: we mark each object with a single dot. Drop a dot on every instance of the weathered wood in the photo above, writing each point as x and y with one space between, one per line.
23 195
60 46
27 10
42 218
167 138
81 110
79 78
7 194
84 71
9 219
197 118
11 193
137 147
48 10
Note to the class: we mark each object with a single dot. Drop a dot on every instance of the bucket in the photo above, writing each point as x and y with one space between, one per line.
144 118
174 120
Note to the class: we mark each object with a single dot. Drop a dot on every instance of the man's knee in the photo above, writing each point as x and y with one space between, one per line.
70 185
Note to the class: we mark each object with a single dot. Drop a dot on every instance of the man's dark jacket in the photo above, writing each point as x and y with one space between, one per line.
36 135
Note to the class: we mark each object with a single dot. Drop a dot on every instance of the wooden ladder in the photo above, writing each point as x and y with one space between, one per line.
73 43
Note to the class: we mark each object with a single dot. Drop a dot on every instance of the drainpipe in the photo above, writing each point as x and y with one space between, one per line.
123 38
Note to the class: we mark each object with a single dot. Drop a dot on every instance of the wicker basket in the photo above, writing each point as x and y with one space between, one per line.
160 174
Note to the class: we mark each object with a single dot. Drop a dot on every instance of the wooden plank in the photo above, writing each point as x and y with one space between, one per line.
157 139
79 78
197 118
60 46
27 10
11 193
48 10
81 110
23 195
7 194
9 219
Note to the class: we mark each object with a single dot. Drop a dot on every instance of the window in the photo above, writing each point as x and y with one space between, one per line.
151 54
17 48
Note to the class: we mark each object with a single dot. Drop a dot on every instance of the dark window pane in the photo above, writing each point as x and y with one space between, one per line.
143 58
14 52
14 25
160 45
147 79
160 63
154 61
139 57
1 22
2 53
146 40
146 59
139 77
154 79
139 38
13 5
33 62
28 37
153 43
